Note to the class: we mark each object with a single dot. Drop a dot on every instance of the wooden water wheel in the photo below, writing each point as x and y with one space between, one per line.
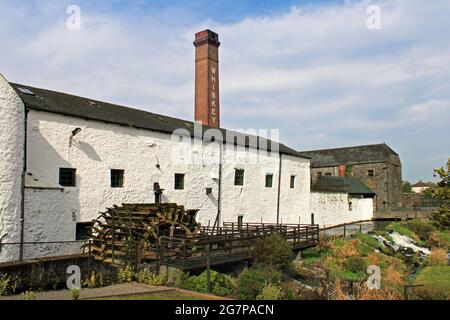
130 234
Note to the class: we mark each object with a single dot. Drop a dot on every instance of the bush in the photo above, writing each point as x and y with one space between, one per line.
8 285
74 293
94 281
28 295
437 257
251 282
221 284
150 278
271 292
422 229
355 264
272 251
125 275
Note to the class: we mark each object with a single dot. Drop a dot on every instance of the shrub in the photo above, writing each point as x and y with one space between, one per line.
437 257
221 284
421 228
125 275
28 295
94 281
271 292
355 264
74 293
150 278
272 251
345 248
8 285
252 281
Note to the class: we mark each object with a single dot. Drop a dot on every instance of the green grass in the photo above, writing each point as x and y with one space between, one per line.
435 281
444 236
157 296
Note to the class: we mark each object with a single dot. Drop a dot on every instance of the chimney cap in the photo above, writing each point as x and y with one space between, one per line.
206 36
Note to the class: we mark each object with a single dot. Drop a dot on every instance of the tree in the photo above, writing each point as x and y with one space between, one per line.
272 252
441 193
406 187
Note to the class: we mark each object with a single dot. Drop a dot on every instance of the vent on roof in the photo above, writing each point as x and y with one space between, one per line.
162 119
92 103
26 91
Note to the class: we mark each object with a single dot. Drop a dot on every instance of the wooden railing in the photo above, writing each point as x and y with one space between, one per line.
232 242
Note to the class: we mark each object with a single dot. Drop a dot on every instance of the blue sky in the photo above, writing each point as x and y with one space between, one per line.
309 68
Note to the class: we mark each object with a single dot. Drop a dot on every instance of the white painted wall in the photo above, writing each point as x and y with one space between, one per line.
332 208
100 147
12 132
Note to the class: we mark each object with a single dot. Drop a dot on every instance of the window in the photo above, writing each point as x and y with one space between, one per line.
292 182
240 222
82 230
370 173
117 178
350 206
239 177
269 180
67 177
179 181
319 174
328 174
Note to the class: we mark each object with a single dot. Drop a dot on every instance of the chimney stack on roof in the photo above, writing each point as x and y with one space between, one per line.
207 108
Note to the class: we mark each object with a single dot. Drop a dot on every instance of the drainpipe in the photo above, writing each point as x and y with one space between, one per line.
24 172
279 190
219 192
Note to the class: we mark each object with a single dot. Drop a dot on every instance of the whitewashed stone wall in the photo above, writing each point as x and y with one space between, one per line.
100 147
332 208
12 132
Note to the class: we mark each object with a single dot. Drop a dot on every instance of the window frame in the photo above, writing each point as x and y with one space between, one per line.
271 180
176 185
292 181
67 170
371 173
236 177
121 178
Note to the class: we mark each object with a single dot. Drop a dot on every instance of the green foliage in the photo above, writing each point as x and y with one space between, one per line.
422 229
400 228
125 275
355 264
74 293
406 187
150 278
221 284
271 292
251 282
272 252
8 284
434 283
28 295
441 193
94 281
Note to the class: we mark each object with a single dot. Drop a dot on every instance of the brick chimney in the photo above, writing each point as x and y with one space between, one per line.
207 108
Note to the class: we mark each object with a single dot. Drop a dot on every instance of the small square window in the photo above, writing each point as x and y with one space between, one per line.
370 173
269 180
292 182
239 177
67 177
179 181
117 178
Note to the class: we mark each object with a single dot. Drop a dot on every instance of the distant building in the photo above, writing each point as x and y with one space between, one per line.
420 187
377 166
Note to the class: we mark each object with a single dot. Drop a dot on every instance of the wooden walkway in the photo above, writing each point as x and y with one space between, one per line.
230 243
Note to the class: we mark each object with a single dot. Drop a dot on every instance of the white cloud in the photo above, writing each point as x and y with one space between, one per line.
315 72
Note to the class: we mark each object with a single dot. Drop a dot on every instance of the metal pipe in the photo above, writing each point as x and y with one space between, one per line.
279 190
22 204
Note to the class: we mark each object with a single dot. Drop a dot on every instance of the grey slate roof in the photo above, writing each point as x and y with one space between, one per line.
70 105
350 155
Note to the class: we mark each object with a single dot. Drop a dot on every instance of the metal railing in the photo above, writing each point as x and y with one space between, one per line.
10 252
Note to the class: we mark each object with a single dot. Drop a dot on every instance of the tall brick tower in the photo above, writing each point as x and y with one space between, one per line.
207 108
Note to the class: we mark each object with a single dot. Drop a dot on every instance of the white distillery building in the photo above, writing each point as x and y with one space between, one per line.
66 158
